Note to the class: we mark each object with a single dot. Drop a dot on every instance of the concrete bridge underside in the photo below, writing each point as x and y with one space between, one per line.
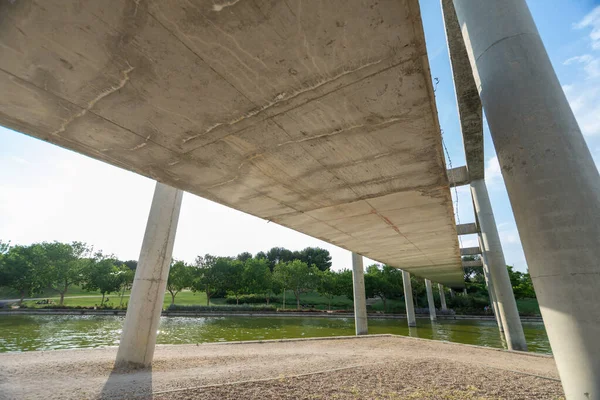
316 116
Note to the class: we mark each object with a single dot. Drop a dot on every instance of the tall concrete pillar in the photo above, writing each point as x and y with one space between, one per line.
138 338
550 176
490 286
360 301
442 296
492 251
430 301
408 299
451 293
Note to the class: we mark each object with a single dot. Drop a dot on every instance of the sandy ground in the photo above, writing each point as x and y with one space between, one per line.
372 367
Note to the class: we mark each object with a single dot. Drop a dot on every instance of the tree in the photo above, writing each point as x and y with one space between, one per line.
210 275
243 257
279 255
62 265
296 276
20 270
125 276
329 285
258 277
102 275
315 256
233 280
180 277
384 282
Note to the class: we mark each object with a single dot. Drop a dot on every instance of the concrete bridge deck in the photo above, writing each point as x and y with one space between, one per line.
320 117
377 366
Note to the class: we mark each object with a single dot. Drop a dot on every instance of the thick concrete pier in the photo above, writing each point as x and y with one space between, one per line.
408 299
360 301
147 293
430 301
494 256
551 179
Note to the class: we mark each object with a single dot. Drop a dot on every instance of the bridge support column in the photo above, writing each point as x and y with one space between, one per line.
551 179
494 257
138 339
408 299
490 286
430 301
360 301
442 296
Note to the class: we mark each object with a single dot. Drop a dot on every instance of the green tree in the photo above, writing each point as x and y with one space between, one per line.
295 276
233 281
125 276
315 256
258 277
63 265
210 275
384 282
329 285
279 255
102 275
181 276
243 257
20 270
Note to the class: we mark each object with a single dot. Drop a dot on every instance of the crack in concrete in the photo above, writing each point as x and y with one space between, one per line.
93 102
279 99
220 7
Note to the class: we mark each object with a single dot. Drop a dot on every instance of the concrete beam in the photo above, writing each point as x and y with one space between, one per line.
467 229
472 264
470 251
458 176
467 95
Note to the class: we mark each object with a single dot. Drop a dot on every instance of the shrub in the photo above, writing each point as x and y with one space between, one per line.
251 299
198 308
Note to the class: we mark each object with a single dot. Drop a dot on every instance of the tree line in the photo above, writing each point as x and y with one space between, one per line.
32 269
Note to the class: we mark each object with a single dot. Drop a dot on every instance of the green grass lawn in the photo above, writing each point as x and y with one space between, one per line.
187 297
528 307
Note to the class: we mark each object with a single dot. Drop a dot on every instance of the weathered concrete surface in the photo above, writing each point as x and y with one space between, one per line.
458 176
320 117
467 229
551 179
470 251
467 95
494 258
360 298
430 300
408 299
86 374
140 329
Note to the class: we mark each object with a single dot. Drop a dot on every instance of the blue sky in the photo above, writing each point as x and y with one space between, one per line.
48 193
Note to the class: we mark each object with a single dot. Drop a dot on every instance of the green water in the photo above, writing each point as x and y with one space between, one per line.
40 332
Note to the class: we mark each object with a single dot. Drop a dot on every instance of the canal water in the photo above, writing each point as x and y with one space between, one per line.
40 332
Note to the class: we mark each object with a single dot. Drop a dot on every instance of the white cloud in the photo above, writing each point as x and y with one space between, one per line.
493 174
591 64
584 94
592 20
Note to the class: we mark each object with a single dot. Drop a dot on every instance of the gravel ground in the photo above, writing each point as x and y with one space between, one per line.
372 367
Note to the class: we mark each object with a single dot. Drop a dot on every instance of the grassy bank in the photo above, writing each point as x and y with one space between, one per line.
77 297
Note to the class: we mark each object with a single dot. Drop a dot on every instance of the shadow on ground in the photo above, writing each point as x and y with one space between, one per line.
127 384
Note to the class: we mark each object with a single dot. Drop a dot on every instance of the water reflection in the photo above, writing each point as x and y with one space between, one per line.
40 332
